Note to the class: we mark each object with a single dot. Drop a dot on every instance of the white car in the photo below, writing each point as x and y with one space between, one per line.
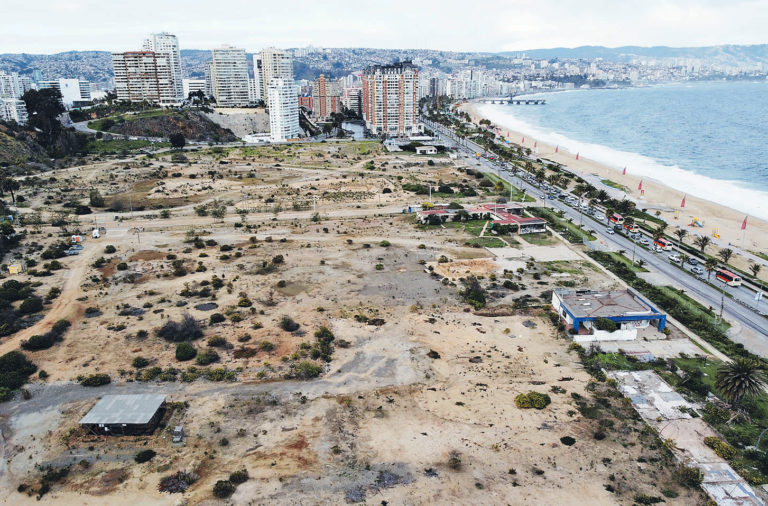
674 257
609 231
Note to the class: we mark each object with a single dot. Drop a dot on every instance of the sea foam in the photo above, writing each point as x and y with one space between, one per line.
728 193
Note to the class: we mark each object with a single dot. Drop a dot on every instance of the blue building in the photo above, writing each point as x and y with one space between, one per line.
580 308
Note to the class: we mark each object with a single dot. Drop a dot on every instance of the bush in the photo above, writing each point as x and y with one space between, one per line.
217 342
305 370
185 351
109 249
15 369
122 266
96 380
5 394
205 357
266 346
239 477
37 342
277 259
567 440
532 400
385 244
721 448
223 488
216 318
244 302
144 456
287 324
689 476
31 305
177 482
60 326
140 362
605 324
185 329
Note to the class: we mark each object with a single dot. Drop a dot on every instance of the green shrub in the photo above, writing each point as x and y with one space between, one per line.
144 456
266 346
568 440
239 477
185 351
5 394
109 249
31 305
96 380
140 362
183 330
223 488
217 342
721 448
216 318
205 357
532 399
15 369
605 324
305 370
38 342
689 476
287 324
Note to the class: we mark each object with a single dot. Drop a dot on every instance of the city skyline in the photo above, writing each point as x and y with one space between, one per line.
82 25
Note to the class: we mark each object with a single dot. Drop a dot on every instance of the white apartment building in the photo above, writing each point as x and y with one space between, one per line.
283 103
12 85
391 99
168 44
272 64
13 109
352 99
74 92
254 91
193 86
144 76
229 76
153 74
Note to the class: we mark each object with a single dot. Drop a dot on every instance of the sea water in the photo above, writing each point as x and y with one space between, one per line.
707 139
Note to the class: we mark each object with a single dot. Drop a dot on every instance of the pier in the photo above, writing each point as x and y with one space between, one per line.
513 101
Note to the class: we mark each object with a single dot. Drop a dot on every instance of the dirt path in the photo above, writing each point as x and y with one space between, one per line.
65 306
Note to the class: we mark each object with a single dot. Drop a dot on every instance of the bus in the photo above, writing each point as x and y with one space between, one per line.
617 218
632 228
728 277
662 244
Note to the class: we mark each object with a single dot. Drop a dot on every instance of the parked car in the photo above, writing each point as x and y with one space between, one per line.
609 231
693 261
674 257
645 242
698 271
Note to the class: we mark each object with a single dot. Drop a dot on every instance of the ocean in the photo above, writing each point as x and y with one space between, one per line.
708 139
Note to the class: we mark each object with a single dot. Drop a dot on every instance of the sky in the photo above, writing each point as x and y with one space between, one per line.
50 26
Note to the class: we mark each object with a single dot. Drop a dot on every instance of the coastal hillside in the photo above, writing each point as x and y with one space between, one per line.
16 147
192 125
241 121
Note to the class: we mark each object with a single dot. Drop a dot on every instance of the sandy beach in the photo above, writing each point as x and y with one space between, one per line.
716 219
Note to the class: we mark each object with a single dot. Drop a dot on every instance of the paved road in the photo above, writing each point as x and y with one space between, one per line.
739 313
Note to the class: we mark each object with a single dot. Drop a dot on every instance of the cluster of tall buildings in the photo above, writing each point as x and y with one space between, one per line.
74 93
391 99
154 74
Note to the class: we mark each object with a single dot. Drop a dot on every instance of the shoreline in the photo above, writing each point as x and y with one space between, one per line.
717 218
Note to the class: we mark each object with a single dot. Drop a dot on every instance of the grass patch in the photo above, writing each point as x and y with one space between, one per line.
570 231
517 195
613 184
540 239
486 242
121 146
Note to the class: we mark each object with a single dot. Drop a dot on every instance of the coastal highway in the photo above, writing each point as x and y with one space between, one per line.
733 310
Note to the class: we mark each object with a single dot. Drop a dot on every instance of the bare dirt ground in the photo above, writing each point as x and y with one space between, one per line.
417 405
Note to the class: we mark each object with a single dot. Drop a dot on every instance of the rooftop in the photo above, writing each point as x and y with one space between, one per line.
127 409
593 304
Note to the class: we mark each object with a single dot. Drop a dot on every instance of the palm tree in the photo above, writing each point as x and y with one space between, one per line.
658 233
602 195
725 254
738 379
680 233
684 258
710 266
702 242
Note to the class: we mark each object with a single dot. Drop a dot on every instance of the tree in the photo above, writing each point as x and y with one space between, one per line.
725 254
44 107
738 379
95 199
177 140
10 185
755 268
684 258
702 242
710 266
680 233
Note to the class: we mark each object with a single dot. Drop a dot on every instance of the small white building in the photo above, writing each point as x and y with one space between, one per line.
426 150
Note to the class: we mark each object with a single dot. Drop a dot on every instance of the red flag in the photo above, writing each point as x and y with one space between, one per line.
556 148
744 224
682 204
523 142
577 156
535 144
625 172
640 186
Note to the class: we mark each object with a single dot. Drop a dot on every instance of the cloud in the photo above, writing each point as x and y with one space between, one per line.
482 25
